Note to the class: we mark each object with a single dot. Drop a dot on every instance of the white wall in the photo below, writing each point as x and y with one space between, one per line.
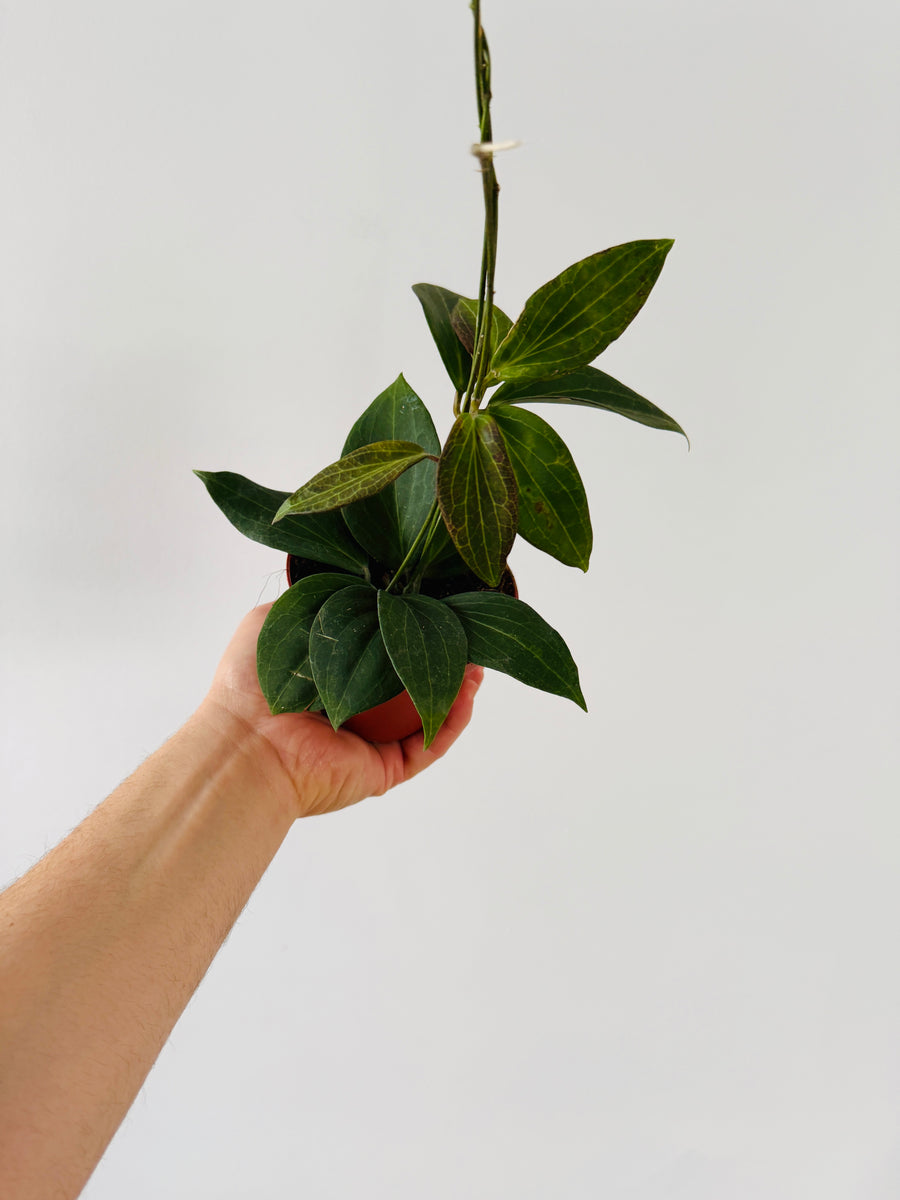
648 952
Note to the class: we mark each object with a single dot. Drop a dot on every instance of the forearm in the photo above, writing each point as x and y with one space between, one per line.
103 943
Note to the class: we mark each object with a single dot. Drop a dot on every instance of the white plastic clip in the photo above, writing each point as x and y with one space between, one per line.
484 150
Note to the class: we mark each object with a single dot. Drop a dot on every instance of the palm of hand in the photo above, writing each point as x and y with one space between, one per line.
329 769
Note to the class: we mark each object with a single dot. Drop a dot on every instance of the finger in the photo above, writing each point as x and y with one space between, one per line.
241 650
246 634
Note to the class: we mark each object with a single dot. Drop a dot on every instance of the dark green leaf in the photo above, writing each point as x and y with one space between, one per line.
387 523
451 319
477 493
463 320
591 388
353 477
251 508
438 304
507 635
571 319
428 651
282 651
553 507
350 665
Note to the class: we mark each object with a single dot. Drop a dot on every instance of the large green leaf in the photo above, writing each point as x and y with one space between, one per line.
507 635
553 507
387 523
438 304
350 664
570 320
251 509
282 650
427 646
591 388
477 494
451 319
353 477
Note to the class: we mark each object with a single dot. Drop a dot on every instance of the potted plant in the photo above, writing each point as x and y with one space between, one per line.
397 552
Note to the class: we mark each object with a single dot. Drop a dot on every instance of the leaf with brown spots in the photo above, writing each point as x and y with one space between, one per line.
477 494
553 507
566 323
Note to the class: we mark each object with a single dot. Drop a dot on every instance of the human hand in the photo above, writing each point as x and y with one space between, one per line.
327 769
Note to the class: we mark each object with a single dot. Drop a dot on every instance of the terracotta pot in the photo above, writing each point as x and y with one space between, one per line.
388 722
396 718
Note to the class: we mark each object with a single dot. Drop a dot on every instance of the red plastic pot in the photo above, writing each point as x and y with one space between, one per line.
397 718
388 722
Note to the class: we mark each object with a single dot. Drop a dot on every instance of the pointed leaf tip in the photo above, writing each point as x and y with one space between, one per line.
506 634
588 387
350 665
356 476
250 508
569 321
428 652
388 522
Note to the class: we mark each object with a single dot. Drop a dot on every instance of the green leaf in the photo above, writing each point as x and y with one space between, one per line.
451 319
427 646
571 319
464 318
591 388
251 509
438 304
350 664
507 635
282 650
553 507
477 494
353 477
387 523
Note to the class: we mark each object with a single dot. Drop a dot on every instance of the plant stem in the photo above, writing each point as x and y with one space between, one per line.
417 542
434 523
481 353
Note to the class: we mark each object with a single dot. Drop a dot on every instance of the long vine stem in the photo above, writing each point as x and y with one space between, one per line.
481 352
484 317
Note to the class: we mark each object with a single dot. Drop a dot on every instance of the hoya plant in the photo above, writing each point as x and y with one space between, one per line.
397 552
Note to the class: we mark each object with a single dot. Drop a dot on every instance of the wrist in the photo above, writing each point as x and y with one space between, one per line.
241 757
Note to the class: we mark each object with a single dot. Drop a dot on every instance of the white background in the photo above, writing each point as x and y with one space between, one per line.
649 952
